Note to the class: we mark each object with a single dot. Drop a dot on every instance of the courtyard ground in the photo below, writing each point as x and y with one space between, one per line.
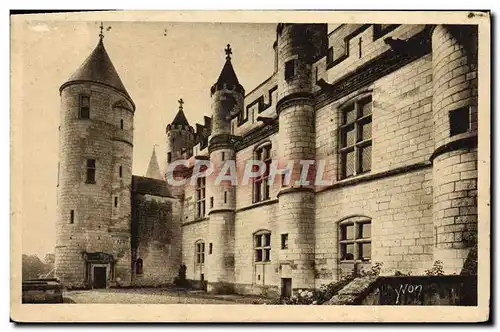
157 296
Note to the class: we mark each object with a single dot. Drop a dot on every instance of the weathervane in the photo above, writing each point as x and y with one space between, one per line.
228 52
181 102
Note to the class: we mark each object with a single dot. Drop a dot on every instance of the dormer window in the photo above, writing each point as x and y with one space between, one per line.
84 111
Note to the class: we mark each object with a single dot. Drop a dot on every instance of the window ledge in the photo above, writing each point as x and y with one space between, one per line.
90 182
257 204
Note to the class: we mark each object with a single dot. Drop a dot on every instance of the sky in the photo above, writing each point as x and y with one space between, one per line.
158 62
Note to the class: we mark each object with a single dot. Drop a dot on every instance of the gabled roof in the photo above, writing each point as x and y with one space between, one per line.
98 68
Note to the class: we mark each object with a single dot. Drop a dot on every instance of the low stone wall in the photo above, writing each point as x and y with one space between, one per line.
409 290
42 291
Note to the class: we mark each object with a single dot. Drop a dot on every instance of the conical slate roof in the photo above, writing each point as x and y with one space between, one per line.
227 78
227 75
180 118
98 68
153 171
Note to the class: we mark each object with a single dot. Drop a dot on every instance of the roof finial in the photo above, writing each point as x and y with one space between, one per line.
228 52
181 102
101 35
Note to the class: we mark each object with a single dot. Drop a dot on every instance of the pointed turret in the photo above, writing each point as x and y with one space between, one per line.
98 68
180 118
227 78
180 136
153 171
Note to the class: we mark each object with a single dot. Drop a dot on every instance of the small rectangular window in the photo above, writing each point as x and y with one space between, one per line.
284 241
120 171
225 197
72 217
84 107
211 202
329 56
459 121
289 69
91 168
116 201
210 247
223 155
169 157
121 124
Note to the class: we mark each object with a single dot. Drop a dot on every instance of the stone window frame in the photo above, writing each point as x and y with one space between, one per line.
290 69
284 241
82 107
261 190
90 168
200 197
262 246
359 143
459 117
139 266
199 252
357 241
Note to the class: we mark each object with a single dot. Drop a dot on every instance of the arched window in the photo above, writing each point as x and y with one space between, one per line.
261 184
200 252
138 266
262 246
355 244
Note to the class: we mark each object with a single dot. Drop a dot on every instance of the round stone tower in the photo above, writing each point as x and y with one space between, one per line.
454 51
299 46
227 98
95 172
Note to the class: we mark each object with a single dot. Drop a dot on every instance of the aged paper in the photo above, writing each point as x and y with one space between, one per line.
391 109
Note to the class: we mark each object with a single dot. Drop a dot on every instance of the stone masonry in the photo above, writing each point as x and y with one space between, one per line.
406 198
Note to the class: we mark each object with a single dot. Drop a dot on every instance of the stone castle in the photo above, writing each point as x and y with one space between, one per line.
391 108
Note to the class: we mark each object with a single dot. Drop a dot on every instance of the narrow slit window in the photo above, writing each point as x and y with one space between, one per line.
72 217
116 201
289 69
121 123
284 241
120 171
91 168
84 110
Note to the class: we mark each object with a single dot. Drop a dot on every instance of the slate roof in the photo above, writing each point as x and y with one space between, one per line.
98 68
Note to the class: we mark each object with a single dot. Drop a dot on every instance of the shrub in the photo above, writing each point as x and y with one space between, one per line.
436 270
325 292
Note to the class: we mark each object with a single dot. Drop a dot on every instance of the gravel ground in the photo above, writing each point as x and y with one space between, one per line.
158 296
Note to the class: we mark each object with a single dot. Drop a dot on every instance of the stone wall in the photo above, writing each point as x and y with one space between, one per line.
158 239
98 225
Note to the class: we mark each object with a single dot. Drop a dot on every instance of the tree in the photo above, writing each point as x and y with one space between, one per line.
33 267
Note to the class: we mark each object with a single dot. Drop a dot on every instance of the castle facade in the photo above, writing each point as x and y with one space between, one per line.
389 114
